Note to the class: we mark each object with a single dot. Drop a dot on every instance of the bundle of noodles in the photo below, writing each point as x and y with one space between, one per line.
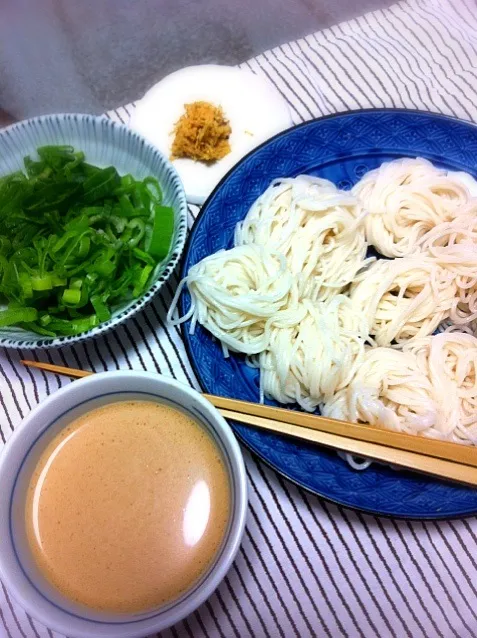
404 298
405 199
308 361
316 226
388 390
237 294
449 360
453 245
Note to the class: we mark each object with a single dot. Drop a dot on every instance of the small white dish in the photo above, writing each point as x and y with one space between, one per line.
18 459
255 109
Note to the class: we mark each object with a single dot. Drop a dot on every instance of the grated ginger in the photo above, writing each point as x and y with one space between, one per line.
202 133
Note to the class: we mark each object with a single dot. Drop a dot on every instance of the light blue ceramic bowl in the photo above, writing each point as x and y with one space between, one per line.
105 143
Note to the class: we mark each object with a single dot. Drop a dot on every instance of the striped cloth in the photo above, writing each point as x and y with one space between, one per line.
308 568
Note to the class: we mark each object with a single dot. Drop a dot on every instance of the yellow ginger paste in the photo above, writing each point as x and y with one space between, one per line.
202 133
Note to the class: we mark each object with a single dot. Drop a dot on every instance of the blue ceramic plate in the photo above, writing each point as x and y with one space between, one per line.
340 148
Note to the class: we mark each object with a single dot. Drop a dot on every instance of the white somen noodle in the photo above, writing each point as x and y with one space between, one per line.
318 228
429 388
453 246
388 390
449 360
405 199
329 327
237 294
308 362
404 298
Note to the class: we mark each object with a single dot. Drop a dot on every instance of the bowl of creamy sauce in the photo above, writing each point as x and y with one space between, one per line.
123 505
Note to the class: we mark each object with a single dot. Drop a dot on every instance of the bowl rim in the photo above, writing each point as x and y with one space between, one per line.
43 342
23 440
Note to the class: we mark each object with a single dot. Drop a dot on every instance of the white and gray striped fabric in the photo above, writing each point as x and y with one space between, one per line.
308 568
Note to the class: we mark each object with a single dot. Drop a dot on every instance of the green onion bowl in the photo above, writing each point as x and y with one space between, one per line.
93 221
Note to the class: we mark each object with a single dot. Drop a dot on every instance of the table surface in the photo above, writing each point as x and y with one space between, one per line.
307 567
58 55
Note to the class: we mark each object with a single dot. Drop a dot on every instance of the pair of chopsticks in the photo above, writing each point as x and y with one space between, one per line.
438 458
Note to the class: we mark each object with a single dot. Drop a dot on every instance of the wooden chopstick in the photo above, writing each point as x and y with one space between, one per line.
49 367
418 453
430 447
411 460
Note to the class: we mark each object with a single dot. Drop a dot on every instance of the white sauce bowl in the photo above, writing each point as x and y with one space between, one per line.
18 460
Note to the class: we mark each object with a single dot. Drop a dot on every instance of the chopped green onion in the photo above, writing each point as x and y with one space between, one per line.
126 209
140 227
13 316
162 230
71 296
73 327
26 284
76 240
34 327
76 283
58 281
42 283
102 311
142 256
142 281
